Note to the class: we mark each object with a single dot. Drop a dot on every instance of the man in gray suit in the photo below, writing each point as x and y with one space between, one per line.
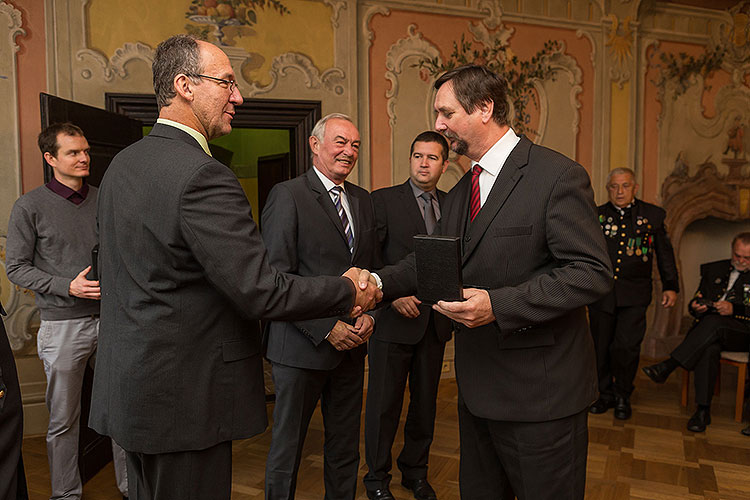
534 257
410 337
319 224
183 275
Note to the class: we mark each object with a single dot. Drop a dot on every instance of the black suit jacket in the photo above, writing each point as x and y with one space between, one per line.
536 247
304 236
183 274
398 219
714 280
639 237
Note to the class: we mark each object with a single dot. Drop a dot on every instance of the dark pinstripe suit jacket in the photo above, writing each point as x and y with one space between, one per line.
537 247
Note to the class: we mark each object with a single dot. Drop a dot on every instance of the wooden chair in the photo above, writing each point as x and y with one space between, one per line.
737 359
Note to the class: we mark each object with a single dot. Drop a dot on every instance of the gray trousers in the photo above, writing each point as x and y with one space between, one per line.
65 347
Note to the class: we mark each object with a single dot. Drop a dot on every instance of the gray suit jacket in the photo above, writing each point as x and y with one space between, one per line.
398 220
537 248
304 236
183 274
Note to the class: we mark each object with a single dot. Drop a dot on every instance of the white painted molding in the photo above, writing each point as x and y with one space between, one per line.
590 37
336 6
411 46
115 66
493 13
332 79
372 11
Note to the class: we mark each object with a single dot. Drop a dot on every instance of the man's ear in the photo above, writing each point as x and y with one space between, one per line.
51 160
314 144
183 85
486 108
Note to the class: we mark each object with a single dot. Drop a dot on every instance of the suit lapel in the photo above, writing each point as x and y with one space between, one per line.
506 180
324 199
354 206
409 205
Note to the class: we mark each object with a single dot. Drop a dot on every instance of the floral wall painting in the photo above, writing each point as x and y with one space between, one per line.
215 15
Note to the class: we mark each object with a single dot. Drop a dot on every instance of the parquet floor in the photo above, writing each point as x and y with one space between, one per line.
649 457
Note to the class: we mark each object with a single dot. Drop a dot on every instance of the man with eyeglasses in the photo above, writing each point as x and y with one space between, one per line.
636 235
184 275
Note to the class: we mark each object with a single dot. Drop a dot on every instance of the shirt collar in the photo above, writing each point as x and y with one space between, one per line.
495 157
61 189
418 191
193 133
327 183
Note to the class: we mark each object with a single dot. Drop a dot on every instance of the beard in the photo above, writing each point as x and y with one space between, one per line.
458 145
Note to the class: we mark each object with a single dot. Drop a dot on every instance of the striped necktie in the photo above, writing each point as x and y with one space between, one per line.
475 203
337 190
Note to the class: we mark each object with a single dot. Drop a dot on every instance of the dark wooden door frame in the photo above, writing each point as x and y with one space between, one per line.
299 117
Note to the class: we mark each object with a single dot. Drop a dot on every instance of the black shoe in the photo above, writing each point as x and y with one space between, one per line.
381 494
658 372
601 405
746 431
700 419
421 489
622 408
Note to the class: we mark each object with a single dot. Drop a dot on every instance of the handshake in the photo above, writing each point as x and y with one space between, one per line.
367 292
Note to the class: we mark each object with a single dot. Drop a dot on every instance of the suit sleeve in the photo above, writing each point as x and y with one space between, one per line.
217 224
280 229
583 273
19 259
665 259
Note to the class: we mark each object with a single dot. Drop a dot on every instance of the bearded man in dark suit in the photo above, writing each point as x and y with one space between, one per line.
184 275
315 225
534 255
721 308
409 340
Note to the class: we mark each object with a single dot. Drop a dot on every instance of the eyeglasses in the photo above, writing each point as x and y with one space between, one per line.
227 84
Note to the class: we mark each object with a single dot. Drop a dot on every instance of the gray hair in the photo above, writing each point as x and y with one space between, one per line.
619 171
178 54
319 130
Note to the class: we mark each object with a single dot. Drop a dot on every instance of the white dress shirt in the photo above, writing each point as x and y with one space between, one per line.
328 184
492 162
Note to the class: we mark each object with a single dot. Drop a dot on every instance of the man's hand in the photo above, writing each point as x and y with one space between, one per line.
475 311
83 288
368 293
695 306
364 326
343 336
724 307
668 298
407 307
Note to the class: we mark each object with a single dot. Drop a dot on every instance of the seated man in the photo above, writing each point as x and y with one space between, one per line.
722 310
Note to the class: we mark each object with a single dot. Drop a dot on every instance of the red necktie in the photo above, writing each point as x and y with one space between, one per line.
475 204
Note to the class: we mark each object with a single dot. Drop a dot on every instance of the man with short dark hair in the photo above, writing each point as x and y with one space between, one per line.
721 308
51 233
636 235
534 257
319 224
409 339
184 277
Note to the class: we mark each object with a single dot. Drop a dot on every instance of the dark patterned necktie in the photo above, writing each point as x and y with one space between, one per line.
337 190
430 220
475 204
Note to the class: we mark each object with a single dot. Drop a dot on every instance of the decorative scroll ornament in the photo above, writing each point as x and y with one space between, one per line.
620 43
411 46
336 6
331 79
218 15
115 66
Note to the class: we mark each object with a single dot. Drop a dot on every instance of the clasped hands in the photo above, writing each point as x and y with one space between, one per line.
723 307
367 292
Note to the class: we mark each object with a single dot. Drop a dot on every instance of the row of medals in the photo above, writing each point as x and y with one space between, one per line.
610 230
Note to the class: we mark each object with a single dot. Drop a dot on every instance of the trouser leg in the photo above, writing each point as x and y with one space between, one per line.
388 370
121 471
625 349
602 326
64 348
419 428
187 475
707 367
341 406
297 393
